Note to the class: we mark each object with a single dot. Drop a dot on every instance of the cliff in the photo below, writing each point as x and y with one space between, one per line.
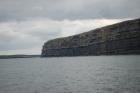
116 39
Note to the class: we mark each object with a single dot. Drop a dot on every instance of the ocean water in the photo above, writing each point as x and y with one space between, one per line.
92 74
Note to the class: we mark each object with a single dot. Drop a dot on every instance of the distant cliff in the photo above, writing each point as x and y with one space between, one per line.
117 39
18 56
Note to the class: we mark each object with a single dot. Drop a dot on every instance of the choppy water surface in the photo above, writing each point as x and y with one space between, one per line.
94 74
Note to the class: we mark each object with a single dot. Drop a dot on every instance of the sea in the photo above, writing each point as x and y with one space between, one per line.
85 74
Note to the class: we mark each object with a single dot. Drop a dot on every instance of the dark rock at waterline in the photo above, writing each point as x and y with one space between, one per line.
117 39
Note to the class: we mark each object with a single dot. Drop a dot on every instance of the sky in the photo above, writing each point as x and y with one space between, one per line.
25 25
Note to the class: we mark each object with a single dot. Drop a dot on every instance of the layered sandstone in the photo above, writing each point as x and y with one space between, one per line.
116 39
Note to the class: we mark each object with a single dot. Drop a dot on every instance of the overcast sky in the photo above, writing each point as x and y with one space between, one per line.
26 24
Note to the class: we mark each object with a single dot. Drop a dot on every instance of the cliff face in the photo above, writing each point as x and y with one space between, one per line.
120 38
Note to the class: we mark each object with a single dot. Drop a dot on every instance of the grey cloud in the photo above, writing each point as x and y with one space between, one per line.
4 37
45 34
68 9
17 41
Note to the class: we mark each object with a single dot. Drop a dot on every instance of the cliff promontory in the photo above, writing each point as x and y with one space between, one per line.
117 39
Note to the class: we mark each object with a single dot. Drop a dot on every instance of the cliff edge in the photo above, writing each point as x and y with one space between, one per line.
117 39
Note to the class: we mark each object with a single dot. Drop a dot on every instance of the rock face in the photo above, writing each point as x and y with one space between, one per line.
117 39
